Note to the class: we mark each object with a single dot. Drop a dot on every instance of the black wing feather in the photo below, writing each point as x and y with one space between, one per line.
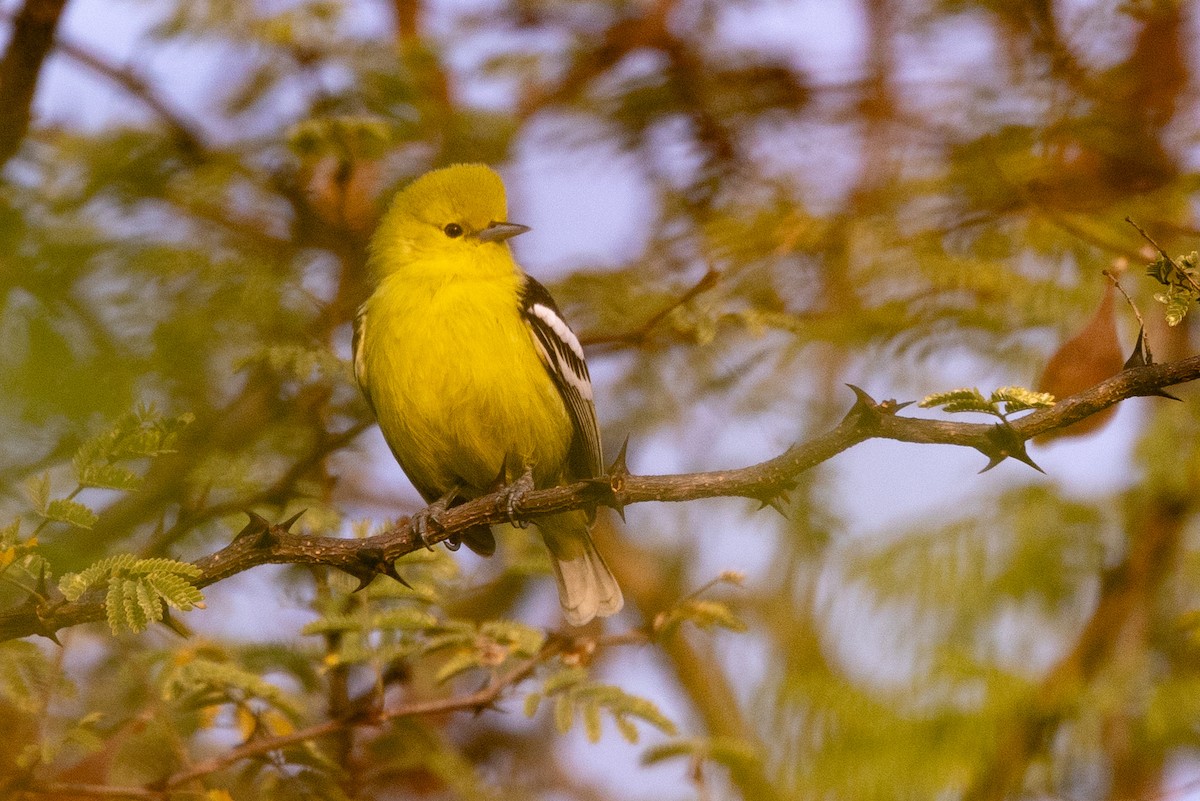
563 357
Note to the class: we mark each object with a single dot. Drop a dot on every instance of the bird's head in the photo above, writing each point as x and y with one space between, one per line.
448 220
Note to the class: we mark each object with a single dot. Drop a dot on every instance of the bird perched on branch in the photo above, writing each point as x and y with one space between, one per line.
474 377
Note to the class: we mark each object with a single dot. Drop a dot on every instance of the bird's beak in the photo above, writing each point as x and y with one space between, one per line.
500 231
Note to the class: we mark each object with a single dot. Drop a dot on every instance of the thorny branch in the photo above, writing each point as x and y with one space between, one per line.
261 542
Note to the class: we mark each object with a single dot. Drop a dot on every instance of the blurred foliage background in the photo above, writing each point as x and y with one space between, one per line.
908 195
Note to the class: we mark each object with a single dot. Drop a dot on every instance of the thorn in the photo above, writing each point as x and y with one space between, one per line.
391 572
892 406
286 525
619 466
374 563
617 473
776 496
255 525
1007 444
173 624
51 635
1141 356
775 502
1025 458
259 528
866 411
861 398
41 587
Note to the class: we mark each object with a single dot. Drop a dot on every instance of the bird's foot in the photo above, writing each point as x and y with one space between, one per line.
514 493
428 522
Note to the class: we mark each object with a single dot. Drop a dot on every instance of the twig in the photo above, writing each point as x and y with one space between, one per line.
1164 254
1132 306
639 335
478 700
186 132
1136 313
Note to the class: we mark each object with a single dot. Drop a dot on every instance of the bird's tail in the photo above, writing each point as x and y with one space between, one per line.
586 587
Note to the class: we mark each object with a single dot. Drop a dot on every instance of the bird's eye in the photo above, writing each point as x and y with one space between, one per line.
453 230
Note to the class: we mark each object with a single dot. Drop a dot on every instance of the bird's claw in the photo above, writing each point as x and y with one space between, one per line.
428 522
514 493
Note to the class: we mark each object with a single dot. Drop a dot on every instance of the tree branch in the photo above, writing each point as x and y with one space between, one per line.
261 542
33 32
186 132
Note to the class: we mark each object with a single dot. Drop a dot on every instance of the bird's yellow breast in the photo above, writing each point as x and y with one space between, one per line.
457 384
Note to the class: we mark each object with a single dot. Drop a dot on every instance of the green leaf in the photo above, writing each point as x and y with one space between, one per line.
71 512
564 713
38 490
532 702
591 720
137 615
137 588
557 682
175 590
456 664
966 399
203 682
1180 280
108 476
26 675
404 618
145 567
1017 399
114 608
728 751
627 729
520 639
9 534
710 614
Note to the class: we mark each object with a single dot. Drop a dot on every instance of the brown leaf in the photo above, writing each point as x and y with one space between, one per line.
1085 360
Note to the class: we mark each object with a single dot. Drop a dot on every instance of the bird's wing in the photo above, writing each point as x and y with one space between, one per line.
360 361
562 354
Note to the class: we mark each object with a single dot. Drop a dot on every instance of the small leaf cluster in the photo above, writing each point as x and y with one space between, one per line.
390 622
704 613
1179 276
207 684
12 547
29 680
139 434
98 464
574 695
137 589
489 644
1002 402
299 362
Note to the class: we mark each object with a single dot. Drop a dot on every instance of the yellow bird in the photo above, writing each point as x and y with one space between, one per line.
473 374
